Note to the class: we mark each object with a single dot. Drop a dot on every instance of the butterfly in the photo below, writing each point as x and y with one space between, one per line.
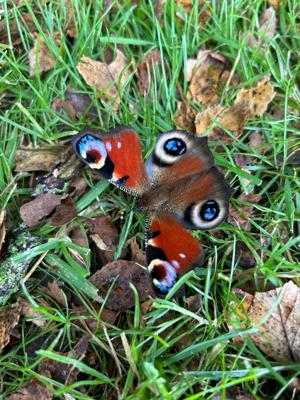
179 185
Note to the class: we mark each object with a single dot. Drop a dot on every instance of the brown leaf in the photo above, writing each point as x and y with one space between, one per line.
106 237
35 316
2 228
9 318
44 58
152 58
267 24
137 254
185 117
193 302
80 103
64 212
121 296
33 389
244 255
64 106
100 75
205 82
191 62
107 315
38 158
293 157
55 292
238 219
35 210
60 371
232 118
278 337
158 11
79 184
257 141
276 3
187 6
257 99
14 29
79 239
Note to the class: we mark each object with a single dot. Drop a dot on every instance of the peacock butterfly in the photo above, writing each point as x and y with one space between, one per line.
179 185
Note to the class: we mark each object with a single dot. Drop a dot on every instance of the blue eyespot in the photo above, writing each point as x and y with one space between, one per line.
175 147
209 211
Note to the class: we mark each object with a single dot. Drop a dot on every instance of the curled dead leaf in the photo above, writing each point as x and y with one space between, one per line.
257 98
9 318
204 84
35 210
232 118
40 56
121 296
105 78
278 336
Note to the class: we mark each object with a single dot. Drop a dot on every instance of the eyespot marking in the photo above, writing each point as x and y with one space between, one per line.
209 211
92 150
175 147
163 274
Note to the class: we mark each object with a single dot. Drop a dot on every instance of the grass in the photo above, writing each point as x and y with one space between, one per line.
155 362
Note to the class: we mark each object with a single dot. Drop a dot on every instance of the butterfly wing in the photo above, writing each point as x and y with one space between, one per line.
116 155
195 192
171 252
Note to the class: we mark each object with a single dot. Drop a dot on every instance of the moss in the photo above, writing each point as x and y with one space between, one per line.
11 273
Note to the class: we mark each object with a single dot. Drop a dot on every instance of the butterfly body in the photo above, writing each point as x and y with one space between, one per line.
179 185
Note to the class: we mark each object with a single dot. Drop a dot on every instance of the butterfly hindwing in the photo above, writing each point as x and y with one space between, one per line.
116 155
171 252
181 148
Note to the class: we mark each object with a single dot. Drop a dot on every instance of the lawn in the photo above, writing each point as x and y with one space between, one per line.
79 318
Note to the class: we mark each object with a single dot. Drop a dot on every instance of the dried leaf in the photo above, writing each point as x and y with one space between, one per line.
106 238
257 99
237 218
278 337
60 371
191 63
35 210
35 316
232 118
267 28
9 318
256 141
44 58
137 254
185 117
152 58
80 103
100 75
33 390
64 106
158 11
276 3
205 82
64 212
79 239
193 302
121 296
107 315
14 29
187 6
38 158
55 292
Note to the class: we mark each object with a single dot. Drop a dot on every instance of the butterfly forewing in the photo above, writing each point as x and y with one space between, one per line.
116 155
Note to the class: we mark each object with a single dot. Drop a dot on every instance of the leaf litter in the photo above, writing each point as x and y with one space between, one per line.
278 335
208 77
